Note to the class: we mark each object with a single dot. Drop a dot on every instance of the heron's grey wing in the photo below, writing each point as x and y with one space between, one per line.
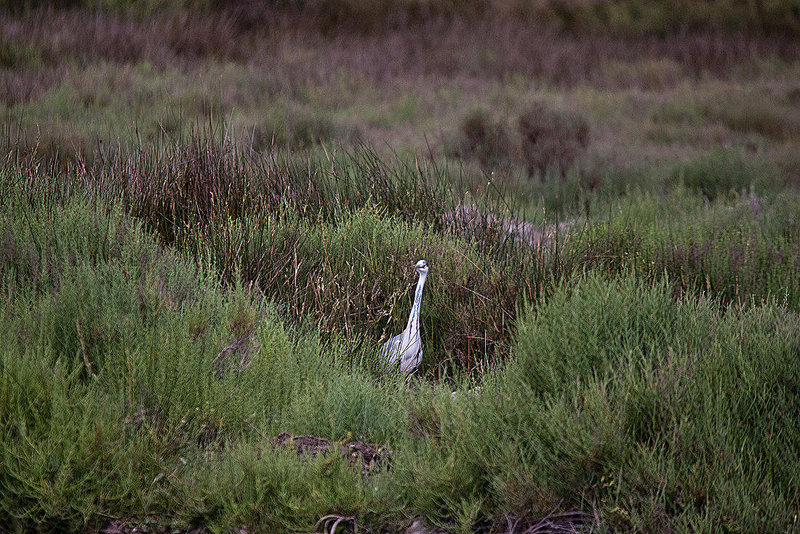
390 350
411 361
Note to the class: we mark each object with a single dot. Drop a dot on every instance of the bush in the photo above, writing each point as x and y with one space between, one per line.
483 139
551 139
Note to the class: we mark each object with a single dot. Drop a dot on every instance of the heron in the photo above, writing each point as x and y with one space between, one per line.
406 347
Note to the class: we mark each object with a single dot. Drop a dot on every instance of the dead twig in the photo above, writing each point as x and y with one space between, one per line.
333 521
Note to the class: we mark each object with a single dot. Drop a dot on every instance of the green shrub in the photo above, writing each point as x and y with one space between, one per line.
641 405
738 249
110 403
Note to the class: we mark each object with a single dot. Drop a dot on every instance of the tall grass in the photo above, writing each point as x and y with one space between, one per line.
166 314
328 238
189 317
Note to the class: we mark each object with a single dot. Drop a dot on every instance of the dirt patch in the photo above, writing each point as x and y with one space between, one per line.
469 220
368 456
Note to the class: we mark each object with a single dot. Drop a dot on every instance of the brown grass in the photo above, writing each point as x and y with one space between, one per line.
281 81
56 40
492 47
83 36
497 48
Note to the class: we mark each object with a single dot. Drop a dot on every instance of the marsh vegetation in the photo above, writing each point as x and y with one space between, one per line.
209 217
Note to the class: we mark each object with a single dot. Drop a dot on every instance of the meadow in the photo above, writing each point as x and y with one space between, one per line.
209 217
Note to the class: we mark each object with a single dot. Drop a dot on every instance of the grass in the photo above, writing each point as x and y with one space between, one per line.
114 326
647 375
208 229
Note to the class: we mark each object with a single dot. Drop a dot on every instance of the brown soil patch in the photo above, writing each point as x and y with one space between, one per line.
369 456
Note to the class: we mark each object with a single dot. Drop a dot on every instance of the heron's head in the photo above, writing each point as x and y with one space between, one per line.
422 267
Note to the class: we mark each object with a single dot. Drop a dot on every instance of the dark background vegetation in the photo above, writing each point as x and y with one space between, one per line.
209 214
623 16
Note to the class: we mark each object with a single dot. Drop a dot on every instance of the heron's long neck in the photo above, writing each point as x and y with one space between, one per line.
413 318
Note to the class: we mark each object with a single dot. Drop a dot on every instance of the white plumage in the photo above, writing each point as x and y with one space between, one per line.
406 347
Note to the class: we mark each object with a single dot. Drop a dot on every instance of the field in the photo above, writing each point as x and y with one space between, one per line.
209 217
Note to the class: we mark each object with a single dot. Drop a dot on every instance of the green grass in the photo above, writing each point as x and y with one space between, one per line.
634 378
109 384
654 391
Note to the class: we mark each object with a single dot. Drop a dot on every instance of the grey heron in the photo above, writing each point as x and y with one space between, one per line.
406 347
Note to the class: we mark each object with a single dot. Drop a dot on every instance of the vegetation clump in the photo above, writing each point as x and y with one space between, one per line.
483 139
551 140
